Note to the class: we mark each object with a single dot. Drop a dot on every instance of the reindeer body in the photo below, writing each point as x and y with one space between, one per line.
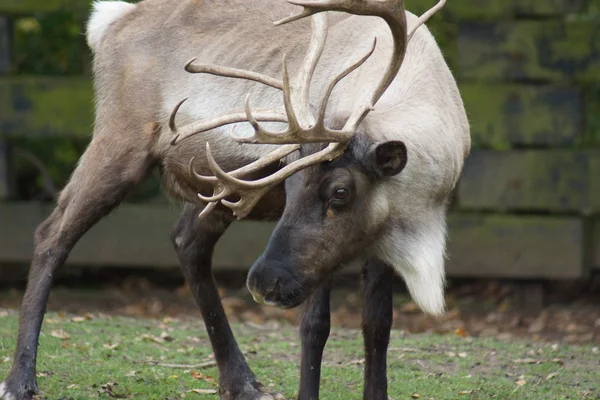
139 54
423 105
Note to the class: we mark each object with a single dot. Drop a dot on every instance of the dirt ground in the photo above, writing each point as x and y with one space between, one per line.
479 308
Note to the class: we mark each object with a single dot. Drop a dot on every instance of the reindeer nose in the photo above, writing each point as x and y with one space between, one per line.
274 283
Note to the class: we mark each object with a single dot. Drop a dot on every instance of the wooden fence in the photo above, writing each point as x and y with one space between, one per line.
528 205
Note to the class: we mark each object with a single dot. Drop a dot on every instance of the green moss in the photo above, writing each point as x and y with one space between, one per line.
37 6
50 44
552 180
538 50
46 107
502 116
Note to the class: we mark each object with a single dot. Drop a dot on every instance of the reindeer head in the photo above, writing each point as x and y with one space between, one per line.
333 209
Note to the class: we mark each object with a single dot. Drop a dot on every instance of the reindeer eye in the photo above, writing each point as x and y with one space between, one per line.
341 194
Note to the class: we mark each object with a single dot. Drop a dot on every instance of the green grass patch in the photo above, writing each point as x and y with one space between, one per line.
104 357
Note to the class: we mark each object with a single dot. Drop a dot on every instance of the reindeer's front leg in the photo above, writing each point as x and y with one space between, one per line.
376 325
314 332
194 241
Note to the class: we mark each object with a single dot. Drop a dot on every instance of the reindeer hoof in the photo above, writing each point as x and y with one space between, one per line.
4 393
8 393
251 391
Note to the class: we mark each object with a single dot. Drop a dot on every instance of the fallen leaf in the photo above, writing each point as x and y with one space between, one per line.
203 391
594 350
111 346
409 307
451 354
552 375
415 396
73 386
131 373
526 361
5 359
465 392
166 337
462 355
461 332
521 381
60 334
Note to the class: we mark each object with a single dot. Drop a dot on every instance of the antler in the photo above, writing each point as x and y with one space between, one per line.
303 127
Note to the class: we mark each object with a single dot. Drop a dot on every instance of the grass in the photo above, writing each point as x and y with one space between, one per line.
99 357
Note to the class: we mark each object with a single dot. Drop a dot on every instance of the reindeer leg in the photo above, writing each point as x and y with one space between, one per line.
194 240
314 332
99 183
376 326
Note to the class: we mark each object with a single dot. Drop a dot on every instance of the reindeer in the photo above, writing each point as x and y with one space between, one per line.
358 163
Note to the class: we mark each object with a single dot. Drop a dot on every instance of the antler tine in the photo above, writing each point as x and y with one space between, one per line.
250 192
232 73
393 12
221 191
319 24
337 79
265 115
425 17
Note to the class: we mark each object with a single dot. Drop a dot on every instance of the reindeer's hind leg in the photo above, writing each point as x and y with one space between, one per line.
104 176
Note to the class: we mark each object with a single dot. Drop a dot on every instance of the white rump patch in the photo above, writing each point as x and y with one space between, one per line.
104 13
4 395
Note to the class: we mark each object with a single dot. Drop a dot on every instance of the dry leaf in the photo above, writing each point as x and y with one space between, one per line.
5 359
60 334
461 332
526 361
416 396
111 346
462 355
521 381
73 386
409 307
465 392
552 375
204 391
84 318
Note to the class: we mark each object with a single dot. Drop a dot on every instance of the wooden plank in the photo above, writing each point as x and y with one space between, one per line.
132 236
461 8
540 180
516 246
514 115
505 115
46 106
37 6
495 9
5 171
138 236
596 244
541 50
5 40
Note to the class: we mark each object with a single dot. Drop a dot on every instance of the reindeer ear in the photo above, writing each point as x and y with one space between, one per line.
388 158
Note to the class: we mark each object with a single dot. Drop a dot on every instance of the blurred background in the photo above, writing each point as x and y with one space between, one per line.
524 252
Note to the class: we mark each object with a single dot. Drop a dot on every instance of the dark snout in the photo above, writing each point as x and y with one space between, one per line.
274 283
